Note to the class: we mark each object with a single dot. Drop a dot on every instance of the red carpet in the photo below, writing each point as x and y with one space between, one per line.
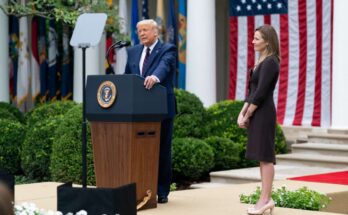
331 178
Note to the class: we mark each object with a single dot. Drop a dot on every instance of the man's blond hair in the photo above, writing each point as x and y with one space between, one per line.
151 22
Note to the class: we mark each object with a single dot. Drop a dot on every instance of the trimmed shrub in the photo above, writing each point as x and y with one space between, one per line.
48 110
188 103
280 141
5 114
222 121
192 158
191 117
66 160
12 135
226 152
37 148
15 111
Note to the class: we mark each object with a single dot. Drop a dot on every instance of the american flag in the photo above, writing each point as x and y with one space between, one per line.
303 92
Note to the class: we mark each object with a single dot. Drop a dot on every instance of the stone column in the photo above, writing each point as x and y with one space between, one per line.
201 50
340 66
4 56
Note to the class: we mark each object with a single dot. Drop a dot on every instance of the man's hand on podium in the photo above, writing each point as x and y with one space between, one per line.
150 81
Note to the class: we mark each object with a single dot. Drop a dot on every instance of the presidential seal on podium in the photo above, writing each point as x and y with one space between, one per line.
106 95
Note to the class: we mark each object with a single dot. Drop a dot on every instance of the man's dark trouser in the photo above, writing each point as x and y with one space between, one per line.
165 158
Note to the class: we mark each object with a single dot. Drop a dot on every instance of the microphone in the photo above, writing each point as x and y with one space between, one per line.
119 44
123 44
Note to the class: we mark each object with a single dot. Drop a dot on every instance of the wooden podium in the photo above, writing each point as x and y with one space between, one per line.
126 132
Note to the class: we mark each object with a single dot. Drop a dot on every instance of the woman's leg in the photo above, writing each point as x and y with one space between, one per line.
267 175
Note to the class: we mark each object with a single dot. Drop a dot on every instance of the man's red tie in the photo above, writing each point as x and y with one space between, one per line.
147 55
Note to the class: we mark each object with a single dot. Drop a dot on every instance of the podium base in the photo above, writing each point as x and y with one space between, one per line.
121 200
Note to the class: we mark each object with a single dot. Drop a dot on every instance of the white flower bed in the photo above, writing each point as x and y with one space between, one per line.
31 209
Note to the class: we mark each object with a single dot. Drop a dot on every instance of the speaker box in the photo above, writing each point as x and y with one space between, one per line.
109 201
8 180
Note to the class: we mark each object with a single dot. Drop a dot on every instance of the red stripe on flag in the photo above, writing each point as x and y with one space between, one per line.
251 51
302 13
284 68
318 70
267 19
233 57
34 39
108 43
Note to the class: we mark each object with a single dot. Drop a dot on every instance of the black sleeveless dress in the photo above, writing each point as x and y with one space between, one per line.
262 125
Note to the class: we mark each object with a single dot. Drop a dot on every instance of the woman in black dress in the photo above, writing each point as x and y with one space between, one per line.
258 114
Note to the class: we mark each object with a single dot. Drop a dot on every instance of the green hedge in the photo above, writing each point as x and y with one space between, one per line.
13 110
222 122
66 150
11 138
48 110
191 116
192 158
37 148
5 114
280 141
226 152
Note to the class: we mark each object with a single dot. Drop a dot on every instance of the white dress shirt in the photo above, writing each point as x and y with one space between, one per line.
142 58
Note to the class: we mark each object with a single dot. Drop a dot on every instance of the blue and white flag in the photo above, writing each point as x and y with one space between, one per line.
145 10
172 32
134 21
52 60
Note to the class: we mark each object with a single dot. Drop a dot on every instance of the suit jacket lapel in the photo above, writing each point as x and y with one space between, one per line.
153 55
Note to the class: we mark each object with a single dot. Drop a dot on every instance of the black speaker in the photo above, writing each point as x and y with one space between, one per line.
108 201
8 180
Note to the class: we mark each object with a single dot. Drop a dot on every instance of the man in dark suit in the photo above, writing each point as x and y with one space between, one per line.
156 62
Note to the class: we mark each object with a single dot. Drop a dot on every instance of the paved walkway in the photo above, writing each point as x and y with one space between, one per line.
209 201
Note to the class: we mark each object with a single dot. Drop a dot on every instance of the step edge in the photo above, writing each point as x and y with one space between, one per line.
322 146
328 136
326 159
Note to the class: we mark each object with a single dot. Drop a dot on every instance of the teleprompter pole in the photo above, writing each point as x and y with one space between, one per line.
84 122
